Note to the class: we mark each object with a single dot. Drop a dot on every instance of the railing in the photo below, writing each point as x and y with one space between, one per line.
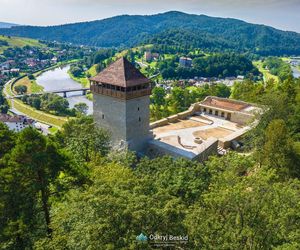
119 94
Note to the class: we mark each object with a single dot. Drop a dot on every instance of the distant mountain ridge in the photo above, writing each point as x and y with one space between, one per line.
170 28
7 25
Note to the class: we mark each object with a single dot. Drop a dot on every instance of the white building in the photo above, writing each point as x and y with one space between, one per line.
16 122
185 62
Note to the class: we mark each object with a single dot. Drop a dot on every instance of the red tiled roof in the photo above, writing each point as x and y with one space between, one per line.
223 103
121 73
15 118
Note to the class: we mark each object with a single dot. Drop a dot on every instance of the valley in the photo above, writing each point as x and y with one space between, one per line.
161 131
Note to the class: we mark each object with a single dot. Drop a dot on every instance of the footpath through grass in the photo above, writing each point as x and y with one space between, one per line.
267 75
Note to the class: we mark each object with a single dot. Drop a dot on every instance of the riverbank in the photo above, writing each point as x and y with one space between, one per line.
32 85
60 79
266 73
17 105
20 107
83 80
40 116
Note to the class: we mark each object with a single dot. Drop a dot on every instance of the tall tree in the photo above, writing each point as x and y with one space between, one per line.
28 171
84 139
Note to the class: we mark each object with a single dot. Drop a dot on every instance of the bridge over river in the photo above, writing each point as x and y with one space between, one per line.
58 91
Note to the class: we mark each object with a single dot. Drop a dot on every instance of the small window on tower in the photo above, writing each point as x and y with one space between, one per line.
102 116
138 108
139 119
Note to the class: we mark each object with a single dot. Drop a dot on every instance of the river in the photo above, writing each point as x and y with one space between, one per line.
59 79
296 72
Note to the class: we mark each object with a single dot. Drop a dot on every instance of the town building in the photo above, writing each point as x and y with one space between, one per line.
121 104
4 66
54 60
185 62
295 62
16 122
149 56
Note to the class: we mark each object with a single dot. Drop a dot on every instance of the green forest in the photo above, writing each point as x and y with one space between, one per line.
180 98
72 191
172 28
215 65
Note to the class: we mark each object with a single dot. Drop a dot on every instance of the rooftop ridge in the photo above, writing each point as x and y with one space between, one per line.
231 104
121 73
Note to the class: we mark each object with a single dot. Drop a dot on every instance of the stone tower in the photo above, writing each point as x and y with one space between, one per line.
121 104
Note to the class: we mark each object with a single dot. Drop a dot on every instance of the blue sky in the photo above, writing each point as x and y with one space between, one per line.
282 14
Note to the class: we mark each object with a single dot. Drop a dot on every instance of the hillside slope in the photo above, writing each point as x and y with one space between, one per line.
126 31
7 42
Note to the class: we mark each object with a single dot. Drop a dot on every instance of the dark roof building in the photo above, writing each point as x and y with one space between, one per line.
121 99
16 118
121 73
121 80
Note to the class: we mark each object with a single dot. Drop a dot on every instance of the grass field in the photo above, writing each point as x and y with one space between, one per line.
92 70
32 86
267 75
83 80
19 42
39 115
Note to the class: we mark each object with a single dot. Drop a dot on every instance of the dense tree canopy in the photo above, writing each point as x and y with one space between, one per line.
72 191
173 28
278 67
216 65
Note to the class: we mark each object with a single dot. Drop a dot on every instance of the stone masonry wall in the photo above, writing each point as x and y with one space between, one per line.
128 121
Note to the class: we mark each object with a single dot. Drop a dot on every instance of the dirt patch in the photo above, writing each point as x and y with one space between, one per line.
213 132
176 141
182 124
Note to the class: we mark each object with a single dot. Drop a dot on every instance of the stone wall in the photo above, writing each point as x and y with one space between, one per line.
212 149
128 121
138 122
157 148
180 116
242 118
109 113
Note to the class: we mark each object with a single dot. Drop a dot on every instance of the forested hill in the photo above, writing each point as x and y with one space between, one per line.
171 27
7 25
